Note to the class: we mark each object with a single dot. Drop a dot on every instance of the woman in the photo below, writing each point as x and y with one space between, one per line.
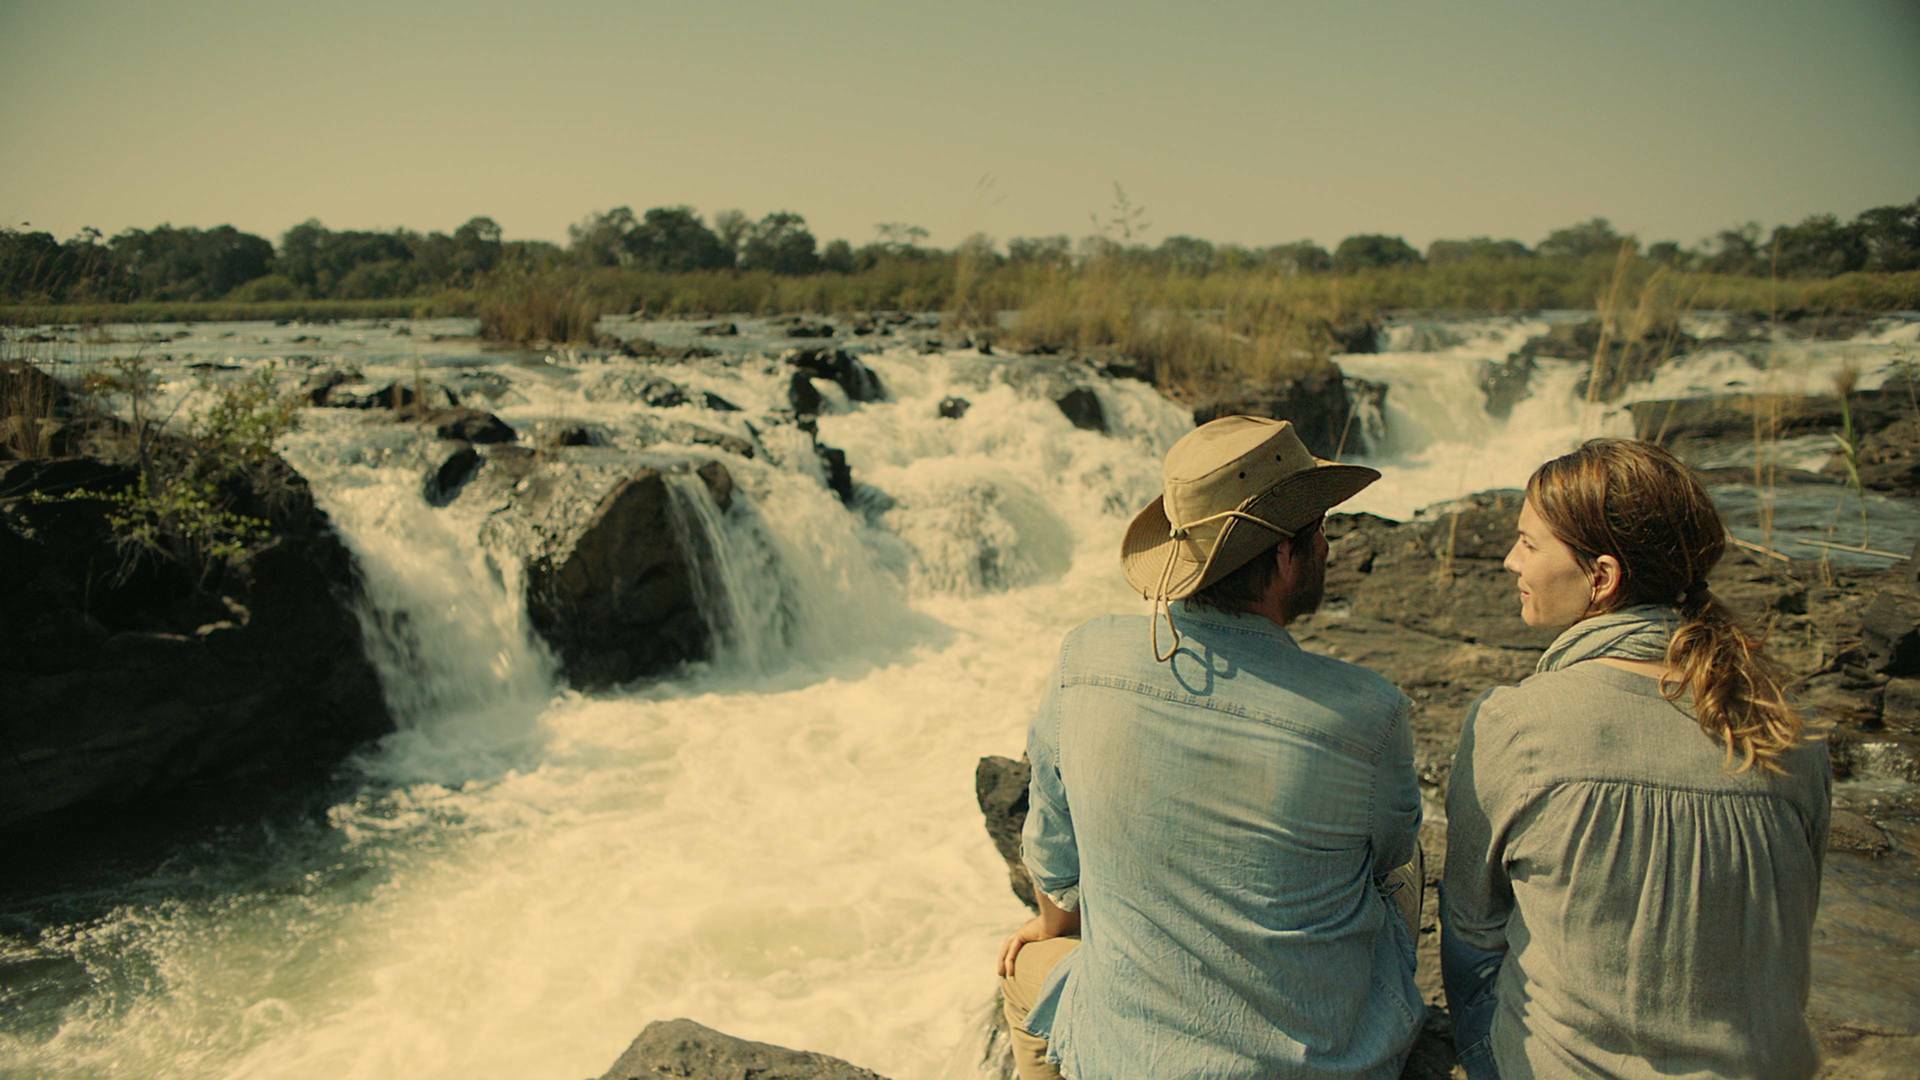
1634 833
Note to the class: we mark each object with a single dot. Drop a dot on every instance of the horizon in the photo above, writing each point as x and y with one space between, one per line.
1500 121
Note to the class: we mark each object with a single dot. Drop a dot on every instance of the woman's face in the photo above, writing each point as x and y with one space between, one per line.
1555 592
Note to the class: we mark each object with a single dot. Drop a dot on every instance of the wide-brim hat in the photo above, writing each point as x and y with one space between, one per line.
1232 488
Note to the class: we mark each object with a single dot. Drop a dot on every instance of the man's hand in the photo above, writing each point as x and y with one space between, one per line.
1034 930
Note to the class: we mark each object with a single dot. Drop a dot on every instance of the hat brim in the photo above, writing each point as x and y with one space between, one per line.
1160 567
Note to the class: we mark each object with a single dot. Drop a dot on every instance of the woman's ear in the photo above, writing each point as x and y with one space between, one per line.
1608 582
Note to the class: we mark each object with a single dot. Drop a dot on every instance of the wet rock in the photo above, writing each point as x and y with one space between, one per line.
614 594
1000 787
694 435
685 1049
319 386
1081 407
1888 459
490 385
661 393
549 434
801 395
1506 383
953 408
1900 705
1622 362
136 679
717 403
725 329
839 367
1354 334
1890 631
1320 406
1850 831
839 475
719 483
444 483
801 328
472 426
396 396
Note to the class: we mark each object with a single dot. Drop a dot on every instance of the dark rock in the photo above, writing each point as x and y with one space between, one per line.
472 426
1900 705
1000 787
1822 325
839 367
725 329
806 400
1890 631
1888 459
718 403
1354 334
444 483
1081 407
1850 831
683 1048
803 329
1505 384
135 679
615 595
661 393
1320 406
576 435
695 435
1622 362
490 385
953 408
719 483
839 476
397 396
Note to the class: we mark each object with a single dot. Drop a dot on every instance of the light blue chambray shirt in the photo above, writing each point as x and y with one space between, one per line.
1220 823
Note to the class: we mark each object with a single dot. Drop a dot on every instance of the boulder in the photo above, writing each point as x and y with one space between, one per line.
136 678
443 484
1890 632
839 474
725 329
1505 384
615 592
802 395
840 367
1321 407
1081 407
1000 787
1353 334
1622 362
398 396
801 328
684 1048
953 408
471 426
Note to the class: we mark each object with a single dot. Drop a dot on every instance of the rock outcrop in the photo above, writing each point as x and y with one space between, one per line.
684 1048
612 573
1321 406
133 678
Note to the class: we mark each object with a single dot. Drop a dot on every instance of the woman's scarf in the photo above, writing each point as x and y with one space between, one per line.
1640 632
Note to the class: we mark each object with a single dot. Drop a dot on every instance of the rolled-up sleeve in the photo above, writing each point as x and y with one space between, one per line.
1476 893
1396 816
1047 846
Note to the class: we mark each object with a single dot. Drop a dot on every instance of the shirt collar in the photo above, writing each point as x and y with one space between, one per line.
1245 622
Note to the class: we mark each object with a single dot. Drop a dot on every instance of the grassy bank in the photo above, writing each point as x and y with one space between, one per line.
1490 287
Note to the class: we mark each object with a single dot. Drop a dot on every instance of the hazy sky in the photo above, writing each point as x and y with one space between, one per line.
1249 122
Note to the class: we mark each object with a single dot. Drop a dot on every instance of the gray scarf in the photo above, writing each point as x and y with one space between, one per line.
1640 632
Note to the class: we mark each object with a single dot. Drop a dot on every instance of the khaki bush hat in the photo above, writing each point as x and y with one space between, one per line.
1233 487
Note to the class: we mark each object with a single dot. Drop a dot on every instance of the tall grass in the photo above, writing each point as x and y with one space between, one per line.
537 309
424 307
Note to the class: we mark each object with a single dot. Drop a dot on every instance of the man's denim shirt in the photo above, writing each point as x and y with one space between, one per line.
1220 822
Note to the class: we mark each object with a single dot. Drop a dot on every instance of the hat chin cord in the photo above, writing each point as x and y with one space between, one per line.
1161 605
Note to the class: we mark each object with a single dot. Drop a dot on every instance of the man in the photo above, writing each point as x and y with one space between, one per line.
1219 821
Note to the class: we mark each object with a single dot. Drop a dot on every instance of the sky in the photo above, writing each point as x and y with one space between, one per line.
1245 122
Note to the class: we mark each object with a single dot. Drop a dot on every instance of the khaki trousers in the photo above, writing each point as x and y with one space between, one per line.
1404 888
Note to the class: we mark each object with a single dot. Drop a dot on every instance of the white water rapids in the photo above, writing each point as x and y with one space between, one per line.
782 843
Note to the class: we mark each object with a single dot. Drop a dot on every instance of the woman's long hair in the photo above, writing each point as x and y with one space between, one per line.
1638 503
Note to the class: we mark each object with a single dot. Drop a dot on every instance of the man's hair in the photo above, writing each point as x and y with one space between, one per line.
1243 586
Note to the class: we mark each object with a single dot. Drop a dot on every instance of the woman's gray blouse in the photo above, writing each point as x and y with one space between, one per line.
1655 908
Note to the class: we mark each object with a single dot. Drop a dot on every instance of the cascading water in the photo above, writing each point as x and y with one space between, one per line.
780 842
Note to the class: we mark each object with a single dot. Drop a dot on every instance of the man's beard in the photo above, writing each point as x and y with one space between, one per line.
1310 586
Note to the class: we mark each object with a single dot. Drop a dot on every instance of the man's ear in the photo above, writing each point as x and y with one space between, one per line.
1608 580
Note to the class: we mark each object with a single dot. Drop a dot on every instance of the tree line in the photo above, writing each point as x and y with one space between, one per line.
313 262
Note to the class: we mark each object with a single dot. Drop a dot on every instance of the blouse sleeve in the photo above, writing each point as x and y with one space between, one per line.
1476 894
